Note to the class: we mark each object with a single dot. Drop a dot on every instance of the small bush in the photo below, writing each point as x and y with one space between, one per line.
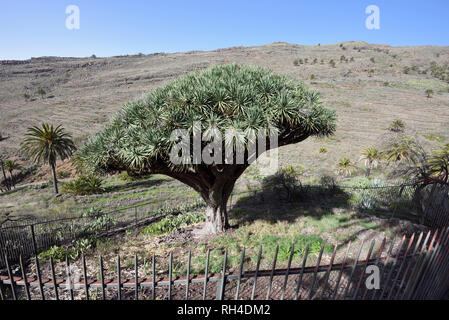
322 150
84 185
396 126
62 174
328 182
429 93
168 224
59 253
284 180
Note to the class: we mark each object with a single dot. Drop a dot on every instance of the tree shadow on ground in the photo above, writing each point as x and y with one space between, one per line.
273 206
126 186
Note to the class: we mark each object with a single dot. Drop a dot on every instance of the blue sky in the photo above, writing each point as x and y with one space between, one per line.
37 28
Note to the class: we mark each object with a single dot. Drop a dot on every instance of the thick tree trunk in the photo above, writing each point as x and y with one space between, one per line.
55 181
216 200
216 219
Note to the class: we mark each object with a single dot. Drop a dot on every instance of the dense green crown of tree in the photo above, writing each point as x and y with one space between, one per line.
224 96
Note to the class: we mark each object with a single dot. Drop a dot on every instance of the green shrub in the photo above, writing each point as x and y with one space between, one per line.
84 185
168 224
396 126
124 176
62 174
59 253
284 180
100 221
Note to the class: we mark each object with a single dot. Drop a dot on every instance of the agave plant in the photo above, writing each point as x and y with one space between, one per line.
345 167
46 144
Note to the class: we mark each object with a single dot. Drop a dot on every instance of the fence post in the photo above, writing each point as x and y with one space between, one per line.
222 283
33 236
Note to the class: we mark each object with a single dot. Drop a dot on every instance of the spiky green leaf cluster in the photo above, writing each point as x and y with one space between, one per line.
47 143
225 97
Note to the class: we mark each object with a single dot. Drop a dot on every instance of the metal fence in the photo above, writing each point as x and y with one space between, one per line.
28 239
414 268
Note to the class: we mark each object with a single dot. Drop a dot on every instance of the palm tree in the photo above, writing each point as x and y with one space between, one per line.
371 156
46 144
439 164
429 93
402 150
10 166
2 165
345 167
396 126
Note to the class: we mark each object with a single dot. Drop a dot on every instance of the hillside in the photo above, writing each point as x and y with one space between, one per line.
83 93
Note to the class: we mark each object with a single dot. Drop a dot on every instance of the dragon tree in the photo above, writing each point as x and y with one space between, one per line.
245 99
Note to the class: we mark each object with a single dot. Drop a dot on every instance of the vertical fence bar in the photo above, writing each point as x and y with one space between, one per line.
404 259
153 275
419 271
384 269
431 265
315 273
2 295
379 256
284 287
272 272
408 266
301 274
343 264
441 291
368 256
443 259
206 270
33 237
221 286
39 278
386 283
103 289
119 279
24 277
86 284
136 278
354 266
170 270
242 261
11 278
53 276
189 258
417 257
256 273
329 269
69 277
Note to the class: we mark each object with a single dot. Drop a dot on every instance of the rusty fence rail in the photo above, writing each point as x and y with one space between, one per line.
413 268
